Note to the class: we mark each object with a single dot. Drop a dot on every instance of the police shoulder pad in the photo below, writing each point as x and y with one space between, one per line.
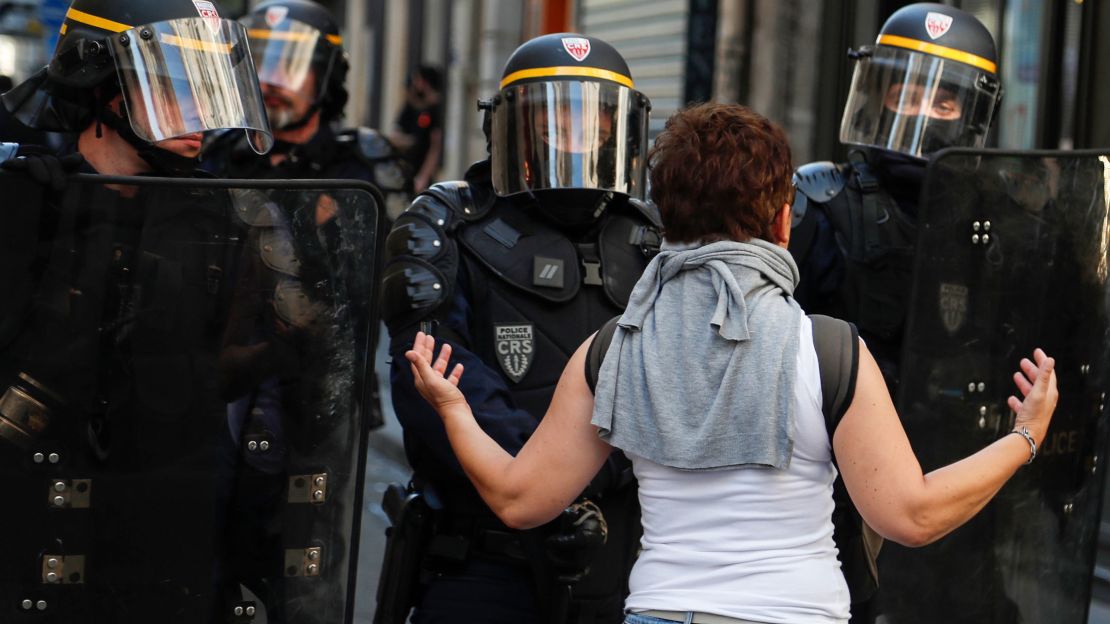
819 181
647 210
460 197
370 143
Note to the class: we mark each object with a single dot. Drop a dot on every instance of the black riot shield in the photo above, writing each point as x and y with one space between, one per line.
183 376
1012 255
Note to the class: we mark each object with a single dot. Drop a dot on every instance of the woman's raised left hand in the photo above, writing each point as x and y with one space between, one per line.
432 381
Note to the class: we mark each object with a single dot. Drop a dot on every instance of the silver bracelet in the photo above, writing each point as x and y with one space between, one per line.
1024 432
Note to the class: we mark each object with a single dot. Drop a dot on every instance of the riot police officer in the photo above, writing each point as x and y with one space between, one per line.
538 246
302 69
929 82
132 115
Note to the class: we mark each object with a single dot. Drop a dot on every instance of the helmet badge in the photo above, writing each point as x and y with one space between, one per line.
577 47
276 15
937 24
208 11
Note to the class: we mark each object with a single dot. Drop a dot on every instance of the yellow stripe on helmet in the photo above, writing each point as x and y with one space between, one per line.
195 44
288 35
96 22
939 50
280 35
585 72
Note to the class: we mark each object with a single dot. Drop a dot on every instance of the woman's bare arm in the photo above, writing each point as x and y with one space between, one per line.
556 463
885 480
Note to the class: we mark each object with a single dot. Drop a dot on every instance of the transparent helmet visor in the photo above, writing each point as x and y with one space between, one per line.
917 104
284 53
190 75
569 135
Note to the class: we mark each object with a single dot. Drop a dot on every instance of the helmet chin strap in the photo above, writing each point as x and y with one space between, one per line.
161 161
303 121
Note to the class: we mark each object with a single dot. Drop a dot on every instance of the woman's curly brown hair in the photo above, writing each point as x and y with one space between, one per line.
720 171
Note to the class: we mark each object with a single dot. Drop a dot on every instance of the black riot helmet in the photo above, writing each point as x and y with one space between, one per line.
296 43
181 69
567 117
930 82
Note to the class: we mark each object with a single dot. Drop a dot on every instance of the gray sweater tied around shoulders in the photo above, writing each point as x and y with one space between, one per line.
701 371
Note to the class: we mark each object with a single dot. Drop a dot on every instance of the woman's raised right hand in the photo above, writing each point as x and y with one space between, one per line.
438 388
1037 383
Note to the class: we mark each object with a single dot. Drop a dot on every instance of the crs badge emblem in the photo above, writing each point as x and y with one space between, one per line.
276 15
953 306
937 24
577 47
208 11
515 349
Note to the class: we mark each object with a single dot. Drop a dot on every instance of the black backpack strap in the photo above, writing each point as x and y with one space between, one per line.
595 355
837 346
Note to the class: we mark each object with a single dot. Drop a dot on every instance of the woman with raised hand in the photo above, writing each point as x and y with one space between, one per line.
711 386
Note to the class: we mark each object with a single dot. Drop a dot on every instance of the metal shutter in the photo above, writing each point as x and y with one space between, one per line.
651 35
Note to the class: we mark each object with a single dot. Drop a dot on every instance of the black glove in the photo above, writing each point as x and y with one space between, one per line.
580 531
43 166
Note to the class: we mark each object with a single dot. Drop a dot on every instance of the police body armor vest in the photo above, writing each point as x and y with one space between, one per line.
536 293
876 240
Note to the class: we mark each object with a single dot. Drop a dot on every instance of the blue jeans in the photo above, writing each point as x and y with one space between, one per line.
636 618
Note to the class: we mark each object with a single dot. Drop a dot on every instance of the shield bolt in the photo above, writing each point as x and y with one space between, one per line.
974 239
54 458
250 611
238 611
982 410
982 422
39 458
59 486
51 577
318 495
59 501
41 605
313 568
51 563
313 555
975 226
319 482
264 446
27 604
252 445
